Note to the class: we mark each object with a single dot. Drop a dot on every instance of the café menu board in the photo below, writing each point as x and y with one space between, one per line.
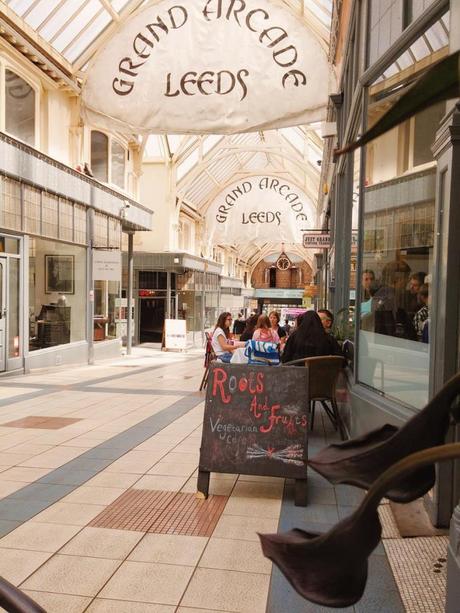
255 421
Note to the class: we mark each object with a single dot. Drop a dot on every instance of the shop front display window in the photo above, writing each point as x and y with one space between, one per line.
13 307
57 292
396 285
106 307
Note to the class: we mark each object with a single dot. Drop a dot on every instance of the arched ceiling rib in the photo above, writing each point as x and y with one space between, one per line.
276 152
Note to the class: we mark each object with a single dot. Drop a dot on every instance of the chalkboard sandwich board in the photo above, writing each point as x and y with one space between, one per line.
255 423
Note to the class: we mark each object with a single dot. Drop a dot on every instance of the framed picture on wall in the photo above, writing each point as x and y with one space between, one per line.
59 274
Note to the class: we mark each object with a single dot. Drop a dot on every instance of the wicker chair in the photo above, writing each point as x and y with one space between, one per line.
323 372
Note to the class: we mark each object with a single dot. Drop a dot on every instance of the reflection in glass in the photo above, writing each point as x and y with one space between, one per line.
398 235
19 108
100 156
56 317
118 164
13 308
106 294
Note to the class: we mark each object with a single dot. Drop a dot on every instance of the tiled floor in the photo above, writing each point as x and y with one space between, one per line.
98 512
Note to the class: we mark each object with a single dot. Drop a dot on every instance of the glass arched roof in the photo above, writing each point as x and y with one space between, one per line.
76 28
72 31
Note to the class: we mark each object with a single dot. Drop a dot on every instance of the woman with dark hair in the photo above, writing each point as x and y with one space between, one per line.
308 340
251 324
220 340
275 324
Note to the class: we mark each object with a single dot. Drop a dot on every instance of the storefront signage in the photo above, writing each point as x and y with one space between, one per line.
317 240
255 422
261 207
175 334
279 293
208 66
106 265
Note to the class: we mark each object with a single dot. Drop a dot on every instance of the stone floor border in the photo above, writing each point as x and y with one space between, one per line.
30 500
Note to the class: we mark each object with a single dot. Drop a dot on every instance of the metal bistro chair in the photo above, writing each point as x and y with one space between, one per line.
209 356
13 600
323 372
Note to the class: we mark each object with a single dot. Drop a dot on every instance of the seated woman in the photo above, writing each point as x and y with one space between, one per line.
308 340
248 331
264 332
275 325
220 340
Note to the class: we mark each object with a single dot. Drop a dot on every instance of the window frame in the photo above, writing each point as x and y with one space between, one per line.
110 140
7 64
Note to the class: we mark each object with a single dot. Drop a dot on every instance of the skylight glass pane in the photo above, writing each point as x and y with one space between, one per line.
40 12
88 36
420 49
405 60
437 36
78 24
209 142
19 6
67 12
119 5
153 147
188 164
174 142
295 138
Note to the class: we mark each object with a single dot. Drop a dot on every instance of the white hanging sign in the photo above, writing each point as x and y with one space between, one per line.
264 208
208 66
106 265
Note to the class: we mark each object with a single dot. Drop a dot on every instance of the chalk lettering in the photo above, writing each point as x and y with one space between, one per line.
220 377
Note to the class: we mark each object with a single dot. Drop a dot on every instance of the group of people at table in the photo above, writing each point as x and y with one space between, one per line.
312 336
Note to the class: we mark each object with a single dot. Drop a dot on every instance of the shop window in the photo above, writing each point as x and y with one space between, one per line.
272 277
395 290
57 293
13 307
118 164
106 295
108 159
19 108
100 156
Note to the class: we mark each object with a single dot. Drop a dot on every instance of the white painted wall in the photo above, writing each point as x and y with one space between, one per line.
154 192
58 110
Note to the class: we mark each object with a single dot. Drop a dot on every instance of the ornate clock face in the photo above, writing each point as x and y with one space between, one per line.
283 262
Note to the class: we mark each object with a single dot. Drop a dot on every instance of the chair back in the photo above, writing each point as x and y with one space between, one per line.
323 372
348 349
209 354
